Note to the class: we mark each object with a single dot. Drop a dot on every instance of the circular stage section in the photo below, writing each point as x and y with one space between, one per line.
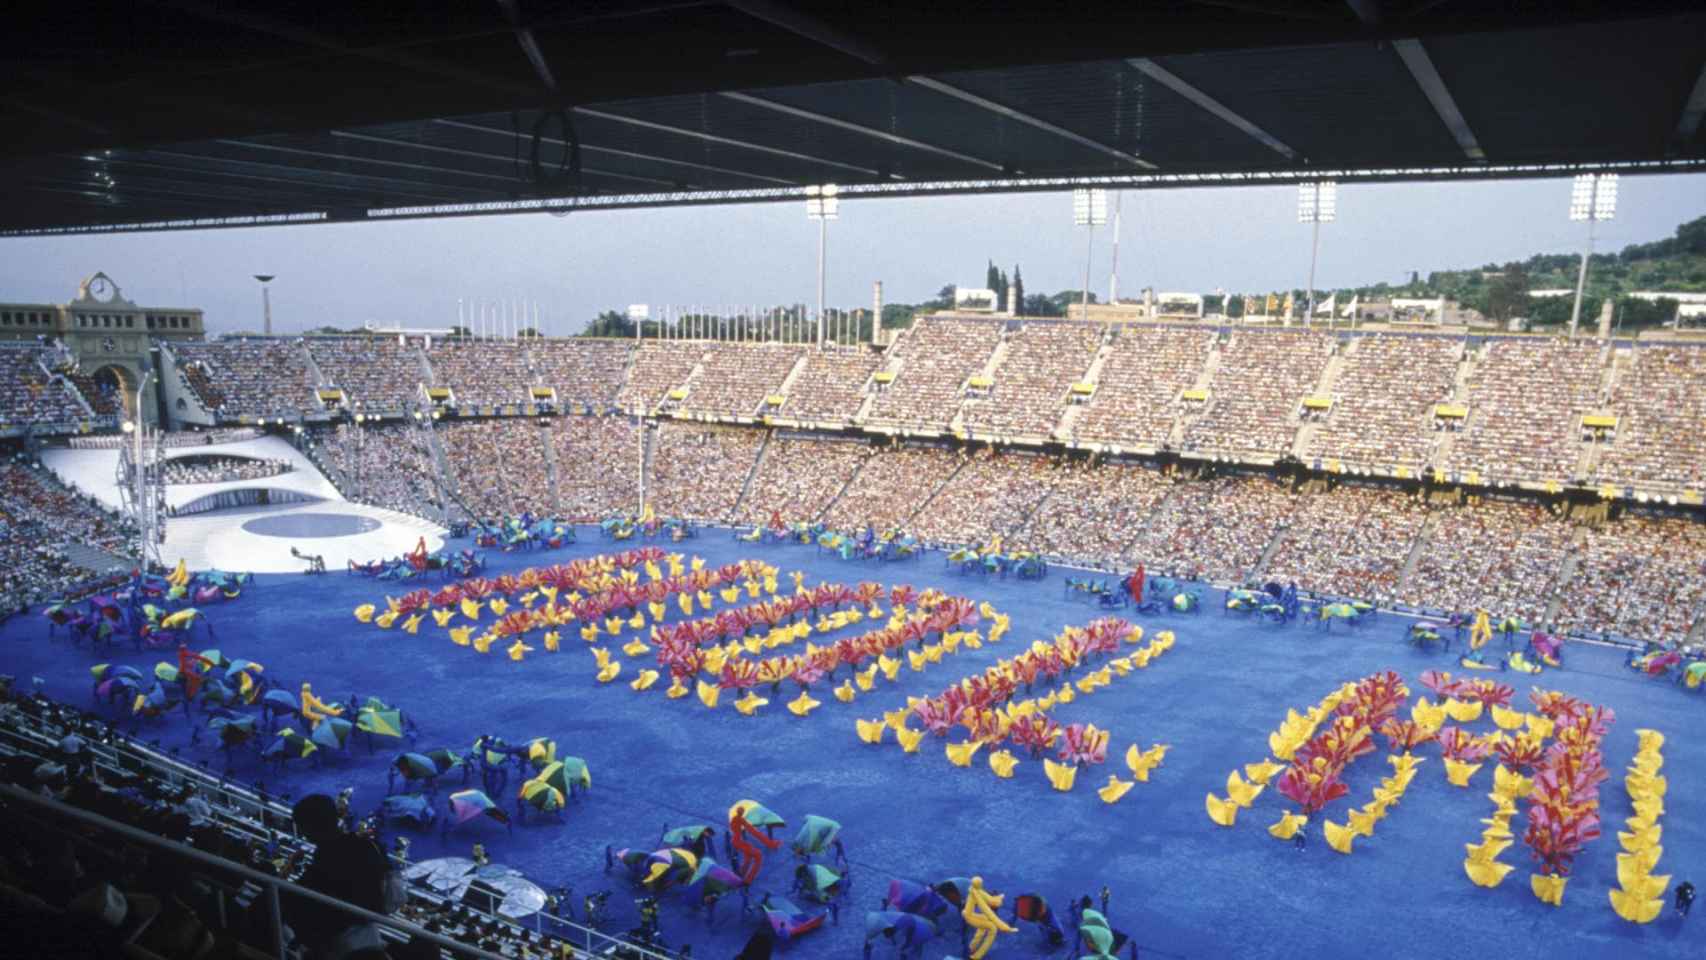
308 525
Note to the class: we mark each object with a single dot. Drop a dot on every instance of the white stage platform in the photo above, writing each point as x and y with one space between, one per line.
93 471
220 540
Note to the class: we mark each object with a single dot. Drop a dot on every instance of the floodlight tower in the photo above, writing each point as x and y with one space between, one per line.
823 205
266 302
1592 198
1317 203
1089 209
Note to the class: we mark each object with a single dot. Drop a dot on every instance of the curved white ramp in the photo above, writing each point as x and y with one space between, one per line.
259 539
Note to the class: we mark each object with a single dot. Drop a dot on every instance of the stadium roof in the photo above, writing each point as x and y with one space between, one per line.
194 113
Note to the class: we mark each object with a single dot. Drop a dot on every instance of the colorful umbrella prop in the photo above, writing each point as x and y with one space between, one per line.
466 805
409 808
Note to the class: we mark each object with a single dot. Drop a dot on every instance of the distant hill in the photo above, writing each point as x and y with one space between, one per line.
1676 263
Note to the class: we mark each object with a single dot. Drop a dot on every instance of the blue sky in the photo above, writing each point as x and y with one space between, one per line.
1235 238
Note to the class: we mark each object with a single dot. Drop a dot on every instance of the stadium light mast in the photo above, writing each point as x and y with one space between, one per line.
1114 271
266 302
1317 203
1089 209
1592 198
823 204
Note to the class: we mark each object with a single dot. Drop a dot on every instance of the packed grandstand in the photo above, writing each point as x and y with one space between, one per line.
1422 471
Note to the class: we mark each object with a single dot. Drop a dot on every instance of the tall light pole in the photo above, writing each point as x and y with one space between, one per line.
1114 271
1592 198
266 302
823 205
1317 203
136 427
1089 209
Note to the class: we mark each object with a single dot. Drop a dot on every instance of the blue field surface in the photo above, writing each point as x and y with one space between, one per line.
1180 886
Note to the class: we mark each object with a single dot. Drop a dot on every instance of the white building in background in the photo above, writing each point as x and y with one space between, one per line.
1419 311
974 301
1179 306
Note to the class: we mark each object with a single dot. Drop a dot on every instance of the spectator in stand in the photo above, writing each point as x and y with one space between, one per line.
1383 400
482 373
221 469
659 369
699 472
1525 400
1042 363
799 476
598 466
1137 396
387 464
500 465
584 372
375 373
831 386
1660 401
737 377
347 866
1257 391
935 359
264 378
989 495
1498 555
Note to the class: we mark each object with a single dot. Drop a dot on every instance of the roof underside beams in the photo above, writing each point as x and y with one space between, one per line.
267 118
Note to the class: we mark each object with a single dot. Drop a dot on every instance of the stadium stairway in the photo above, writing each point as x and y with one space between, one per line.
1093 376
428 375
1417 548
94 558
752 471
1566 573
441 467
852 478
1306 430
1205 383
553 487
667 404
314 370
1268 552
1459 397
925 504
794 373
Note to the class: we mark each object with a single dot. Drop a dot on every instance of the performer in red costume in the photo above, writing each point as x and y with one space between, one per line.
190 667
740 835
1134 584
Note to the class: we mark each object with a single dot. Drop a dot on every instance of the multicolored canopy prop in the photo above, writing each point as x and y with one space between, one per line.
788 921
415 766
714 879
916 898
566 775
906 931
542 796
332 733
411 808
819 882
815 836
689 836
756 814
233 731
379 720
466 805
289 745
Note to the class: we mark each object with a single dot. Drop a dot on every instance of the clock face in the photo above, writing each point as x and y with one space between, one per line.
107 344
101 287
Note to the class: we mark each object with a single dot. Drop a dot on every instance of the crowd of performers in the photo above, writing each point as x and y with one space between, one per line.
420 563
680 867
648 526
